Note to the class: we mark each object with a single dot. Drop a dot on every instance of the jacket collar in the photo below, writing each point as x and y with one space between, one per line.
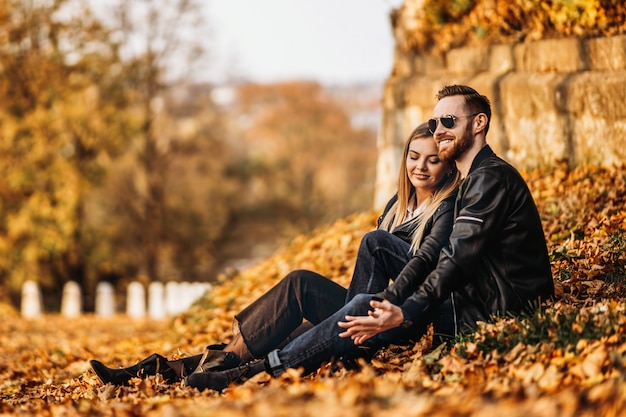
483 154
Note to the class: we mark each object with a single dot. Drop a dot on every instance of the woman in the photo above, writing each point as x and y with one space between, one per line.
413 228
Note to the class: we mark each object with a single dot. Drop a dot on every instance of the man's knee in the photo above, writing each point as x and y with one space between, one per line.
360 302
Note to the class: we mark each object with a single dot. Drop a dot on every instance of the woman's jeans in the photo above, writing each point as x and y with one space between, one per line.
322 343
277 316
300 314
381 257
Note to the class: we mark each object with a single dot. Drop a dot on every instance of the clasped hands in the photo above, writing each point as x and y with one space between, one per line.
384 316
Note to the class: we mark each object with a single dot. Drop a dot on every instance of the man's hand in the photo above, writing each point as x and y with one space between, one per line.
385 316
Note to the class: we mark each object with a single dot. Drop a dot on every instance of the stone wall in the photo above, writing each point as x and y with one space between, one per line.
553 101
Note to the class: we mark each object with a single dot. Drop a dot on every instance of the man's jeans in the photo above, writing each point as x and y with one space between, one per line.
277 317
322 342
299 315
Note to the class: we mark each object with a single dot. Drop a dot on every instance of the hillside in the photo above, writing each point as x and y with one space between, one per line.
567 359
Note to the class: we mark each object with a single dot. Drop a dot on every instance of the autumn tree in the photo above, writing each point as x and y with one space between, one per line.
303 156
167 194
94 146
151 35
194 194
60 117
116 165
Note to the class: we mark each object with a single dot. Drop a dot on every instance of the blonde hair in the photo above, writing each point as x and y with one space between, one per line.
397 213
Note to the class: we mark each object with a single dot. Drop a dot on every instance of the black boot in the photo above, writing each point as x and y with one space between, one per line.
216 360
152 365
219 380
188 365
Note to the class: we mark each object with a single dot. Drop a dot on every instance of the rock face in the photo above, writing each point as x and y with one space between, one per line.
553 101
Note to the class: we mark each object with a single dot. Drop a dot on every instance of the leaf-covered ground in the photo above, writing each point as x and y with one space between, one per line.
568 359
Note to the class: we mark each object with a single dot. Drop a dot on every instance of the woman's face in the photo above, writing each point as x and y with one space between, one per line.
423 166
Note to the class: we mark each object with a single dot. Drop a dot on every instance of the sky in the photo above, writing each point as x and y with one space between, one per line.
329 41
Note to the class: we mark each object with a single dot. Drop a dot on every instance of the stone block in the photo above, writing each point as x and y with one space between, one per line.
551 55
430 65
501 59
386 174
536 130
413 116
389 130
392 95
404 64
487 84
598 141
467 61
422 91
599 94
607 54
596 105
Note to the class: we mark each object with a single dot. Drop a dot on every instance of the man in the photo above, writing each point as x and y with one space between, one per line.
496 261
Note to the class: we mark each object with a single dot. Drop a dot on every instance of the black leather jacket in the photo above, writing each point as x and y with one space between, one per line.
496 261
436 234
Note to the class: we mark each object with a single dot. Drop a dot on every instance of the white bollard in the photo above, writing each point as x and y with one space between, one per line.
172 298
136 300
156 301
72 301
31 300
105 299
186 295
199 288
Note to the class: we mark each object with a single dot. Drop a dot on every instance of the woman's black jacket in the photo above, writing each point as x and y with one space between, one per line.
424 260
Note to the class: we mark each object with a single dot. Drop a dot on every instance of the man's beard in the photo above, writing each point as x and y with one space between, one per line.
458 146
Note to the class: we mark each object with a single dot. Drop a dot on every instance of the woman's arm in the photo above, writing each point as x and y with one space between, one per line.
425 259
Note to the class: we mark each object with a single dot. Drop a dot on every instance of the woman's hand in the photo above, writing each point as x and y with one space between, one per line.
385 316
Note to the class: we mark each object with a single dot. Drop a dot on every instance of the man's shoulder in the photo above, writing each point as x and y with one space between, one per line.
492 165
495 174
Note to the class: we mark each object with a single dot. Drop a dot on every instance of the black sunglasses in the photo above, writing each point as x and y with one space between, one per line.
447 121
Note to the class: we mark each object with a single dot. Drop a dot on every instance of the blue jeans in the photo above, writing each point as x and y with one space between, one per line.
299 315
381 258
322 342
298 302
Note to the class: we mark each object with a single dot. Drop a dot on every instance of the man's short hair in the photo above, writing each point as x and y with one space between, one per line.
474 102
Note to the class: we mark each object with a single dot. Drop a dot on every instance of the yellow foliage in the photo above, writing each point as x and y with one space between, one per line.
433 26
